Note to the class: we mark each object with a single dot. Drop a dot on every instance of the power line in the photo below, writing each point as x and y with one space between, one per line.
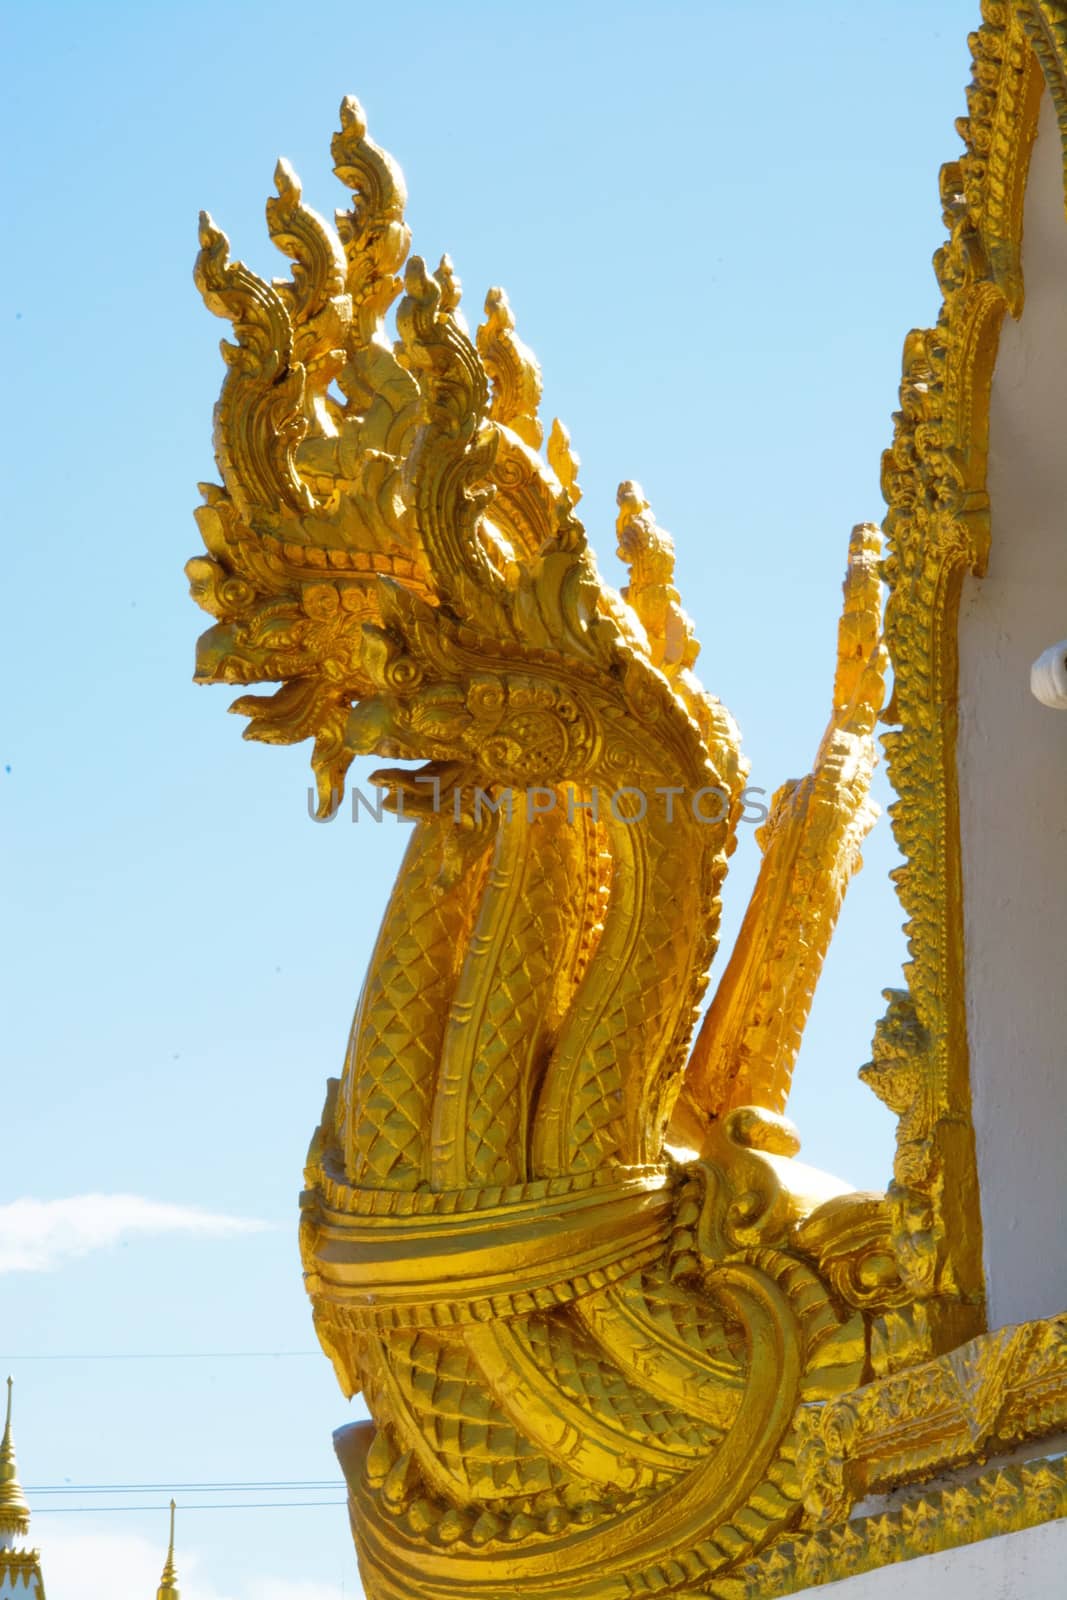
177 1355
270 1486
236 1505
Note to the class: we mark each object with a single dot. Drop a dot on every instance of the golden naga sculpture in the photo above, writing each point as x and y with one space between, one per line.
576 1272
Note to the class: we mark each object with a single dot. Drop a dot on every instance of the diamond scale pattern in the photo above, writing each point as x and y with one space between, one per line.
628 1040
477 1446
391 1067
575 1364
513 1038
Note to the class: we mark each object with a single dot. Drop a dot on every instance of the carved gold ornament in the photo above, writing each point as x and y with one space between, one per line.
591 1299
937 528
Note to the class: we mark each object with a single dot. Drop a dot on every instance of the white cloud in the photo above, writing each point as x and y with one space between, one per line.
100 1565
39 1235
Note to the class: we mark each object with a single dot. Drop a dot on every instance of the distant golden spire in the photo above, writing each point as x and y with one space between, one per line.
168 1584
14 1508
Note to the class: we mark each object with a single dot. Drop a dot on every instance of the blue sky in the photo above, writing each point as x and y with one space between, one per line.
715 224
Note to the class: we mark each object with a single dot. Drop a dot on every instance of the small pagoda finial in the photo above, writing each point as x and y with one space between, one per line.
14 1507
168 1584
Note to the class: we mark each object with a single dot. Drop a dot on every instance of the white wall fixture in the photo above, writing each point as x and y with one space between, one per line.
1048 677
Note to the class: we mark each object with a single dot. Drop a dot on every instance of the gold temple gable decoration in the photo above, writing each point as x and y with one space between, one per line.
937 529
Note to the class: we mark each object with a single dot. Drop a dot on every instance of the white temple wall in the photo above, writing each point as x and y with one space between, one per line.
1013 790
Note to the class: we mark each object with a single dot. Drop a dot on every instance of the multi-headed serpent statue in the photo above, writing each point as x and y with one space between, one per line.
573 1268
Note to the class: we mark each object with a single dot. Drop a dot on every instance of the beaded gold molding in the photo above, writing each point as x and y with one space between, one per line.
1046 28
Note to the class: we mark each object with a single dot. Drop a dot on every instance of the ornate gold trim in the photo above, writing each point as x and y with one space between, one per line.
934 481
989 1394
1045 22
1004 1500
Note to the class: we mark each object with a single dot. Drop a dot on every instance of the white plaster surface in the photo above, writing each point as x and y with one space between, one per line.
1013 788
1031 1565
